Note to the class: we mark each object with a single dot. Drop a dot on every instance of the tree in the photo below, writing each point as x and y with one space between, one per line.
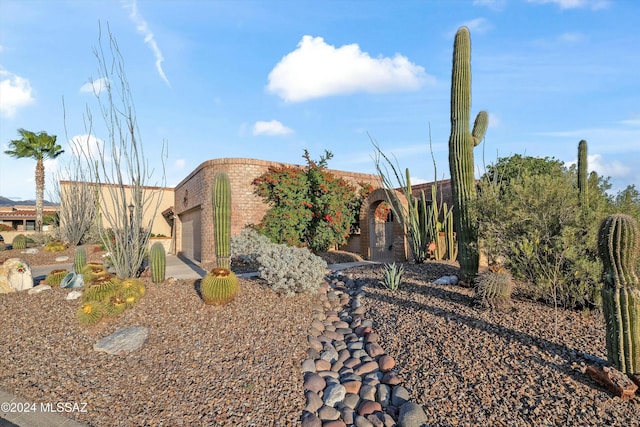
39 146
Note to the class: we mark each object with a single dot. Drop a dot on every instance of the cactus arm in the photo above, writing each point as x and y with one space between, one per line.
480 127
583 183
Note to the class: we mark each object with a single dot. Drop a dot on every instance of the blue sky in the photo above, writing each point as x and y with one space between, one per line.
268 79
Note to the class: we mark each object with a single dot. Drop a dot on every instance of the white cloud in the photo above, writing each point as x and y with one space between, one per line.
614 168
571 37
273 127
491 4
316 69
86 146
574 4
95 86
16 93
143 28
478 26
180 164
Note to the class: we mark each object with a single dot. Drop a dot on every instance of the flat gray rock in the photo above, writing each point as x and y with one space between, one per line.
124 340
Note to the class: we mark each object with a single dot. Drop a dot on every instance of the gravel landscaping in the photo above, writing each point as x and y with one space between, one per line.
240 365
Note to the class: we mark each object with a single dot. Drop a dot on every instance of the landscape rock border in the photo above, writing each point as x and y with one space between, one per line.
348 377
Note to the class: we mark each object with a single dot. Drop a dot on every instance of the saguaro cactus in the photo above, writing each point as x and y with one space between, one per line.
583 183
158 262
619 247
222 218
79 259
461 144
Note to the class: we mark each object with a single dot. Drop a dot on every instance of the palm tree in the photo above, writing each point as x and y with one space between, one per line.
38 146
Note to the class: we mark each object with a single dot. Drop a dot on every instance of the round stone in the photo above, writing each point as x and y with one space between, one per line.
314 383
368 407
386 363
333 394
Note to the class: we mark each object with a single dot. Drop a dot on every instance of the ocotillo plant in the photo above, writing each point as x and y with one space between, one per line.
158 262
461 144
222 218
619 247
583 183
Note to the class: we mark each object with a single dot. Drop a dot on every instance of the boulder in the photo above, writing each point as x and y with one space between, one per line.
38 289
15 275
124 340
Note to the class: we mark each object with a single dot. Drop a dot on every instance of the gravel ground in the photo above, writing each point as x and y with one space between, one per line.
522 366
239 365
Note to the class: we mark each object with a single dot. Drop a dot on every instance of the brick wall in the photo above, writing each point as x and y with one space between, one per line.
195 192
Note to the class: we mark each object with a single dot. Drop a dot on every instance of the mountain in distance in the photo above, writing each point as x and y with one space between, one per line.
8 202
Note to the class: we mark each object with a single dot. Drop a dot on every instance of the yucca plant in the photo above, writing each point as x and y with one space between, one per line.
393 276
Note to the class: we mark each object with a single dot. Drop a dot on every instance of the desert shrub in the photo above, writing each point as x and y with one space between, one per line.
55 246
534 224
248 244
309 206
6 227
291 270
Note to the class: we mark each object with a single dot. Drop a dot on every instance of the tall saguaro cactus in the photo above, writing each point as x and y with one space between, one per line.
619 247
461 144
583 183
222 218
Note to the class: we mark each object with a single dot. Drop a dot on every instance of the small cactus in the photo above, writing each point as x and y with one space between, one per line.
619 248
54 278
218 287
20 242
101 288
221 201
158 262
393 276
79 259
494 287
90 312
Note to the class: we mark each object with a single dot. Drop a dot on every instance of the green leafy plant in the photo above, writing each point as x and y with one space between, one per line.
393 276
309 206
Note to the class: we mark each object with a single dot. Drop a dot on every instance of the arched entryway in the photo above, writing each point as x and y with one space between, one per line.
382 237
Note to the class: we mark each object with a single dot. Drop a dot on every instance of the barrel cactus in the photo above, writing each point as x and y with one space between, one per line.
54 278
221 198
461 164
219 286
494 287
90 312
19 242
79 259
158 262
619 248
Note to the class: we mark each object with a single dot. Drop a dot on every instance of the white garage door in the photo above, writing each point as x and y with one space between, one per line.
191 234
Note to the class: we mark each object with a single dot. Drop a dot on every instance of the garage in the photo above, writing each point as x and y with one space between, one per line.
192 234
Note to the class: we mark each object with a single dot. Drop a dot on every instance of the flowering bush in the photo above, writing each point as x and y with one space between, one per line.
310 206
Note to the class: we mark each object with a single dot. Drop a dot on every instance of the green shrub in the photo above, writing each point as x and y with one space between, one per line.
248 244
534 225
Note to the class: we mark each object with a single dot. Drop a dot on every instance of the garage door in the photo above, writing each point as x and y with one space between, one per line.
191 234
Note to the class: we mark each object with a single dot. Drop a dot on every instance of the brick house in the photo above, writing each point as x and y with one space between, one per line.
185 212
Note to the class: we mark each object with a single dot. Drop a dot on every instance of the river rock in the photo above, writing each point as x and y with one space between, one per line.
38 289
411 415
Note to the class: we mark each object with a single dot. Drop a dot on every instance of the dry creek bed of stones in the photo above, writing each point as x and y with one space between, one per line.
250 363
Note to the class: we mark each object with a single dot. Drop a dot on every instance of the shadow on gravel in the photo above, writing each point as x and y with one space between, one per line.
508 334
